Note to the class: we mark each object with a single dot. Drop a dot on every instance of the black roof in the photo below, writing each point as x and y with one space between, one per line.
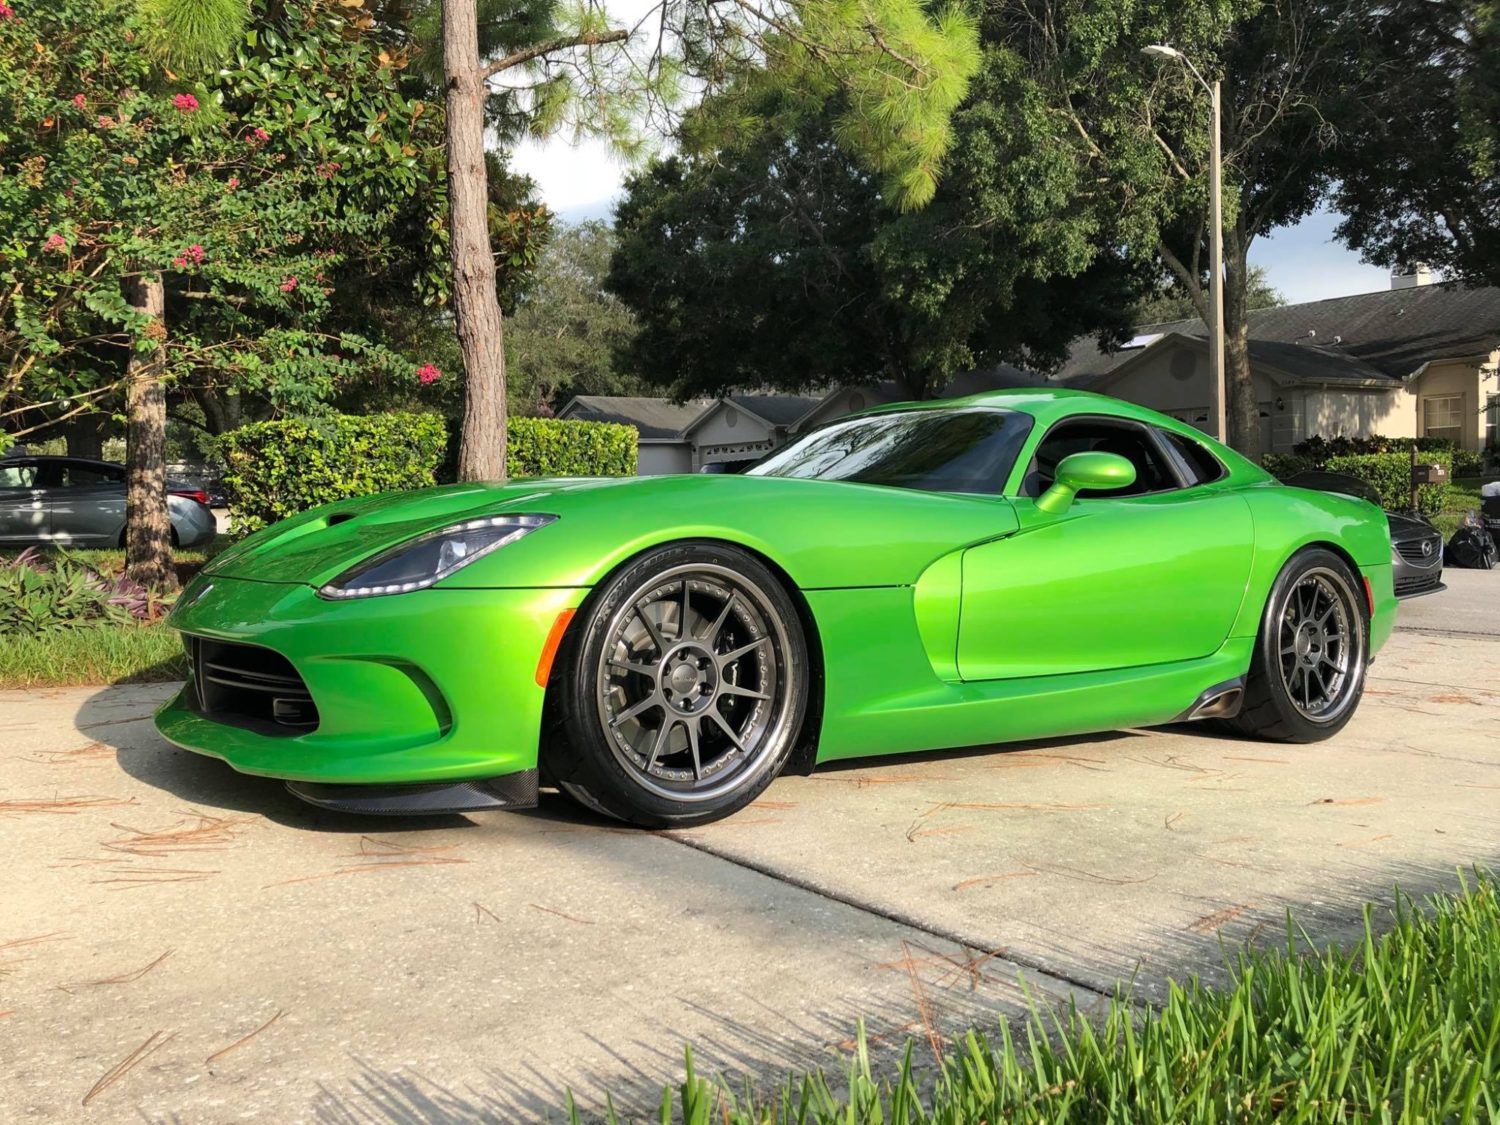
1389 334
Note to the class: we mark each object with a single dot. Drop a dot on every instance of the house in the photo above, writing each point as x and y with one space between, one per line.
741 429
661 423
1419 359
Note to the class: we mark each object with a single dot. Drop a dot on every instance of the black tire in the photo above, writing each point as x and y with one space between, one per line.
663 726
1306 680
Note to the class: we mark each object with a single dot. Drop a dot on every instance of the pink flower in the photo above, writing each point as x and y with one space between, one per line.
327 170
259 136
80 101
179 261
106 121
193 255
6 11
289 284
428 373
234 182
185 102
55 243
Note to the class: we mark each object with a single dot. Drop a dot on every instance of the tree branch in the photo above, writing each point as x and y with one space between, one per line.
588 39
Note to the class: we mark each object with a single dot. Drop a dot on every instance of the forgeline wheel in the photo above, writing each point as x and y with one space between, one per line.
681 690
1308 671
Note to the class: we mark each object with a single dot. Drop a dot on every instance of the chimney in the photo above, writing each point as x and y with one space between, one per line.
1411 278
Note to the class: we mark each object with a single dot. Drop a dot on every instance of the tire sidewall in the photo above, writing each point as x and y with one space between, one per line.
583 761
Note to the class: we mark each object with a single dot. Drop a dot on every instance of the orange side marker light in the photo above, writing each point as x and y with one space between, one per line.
549 650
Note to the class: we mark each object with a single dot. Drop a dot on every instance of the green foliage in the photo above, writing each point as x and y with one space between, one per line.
562 338
1468 462
129 653
1400 1027
1172 302
1418 168
276 469
192 34
1390 475
40 594
552 447
1283 465
299 170
1317 449
781 264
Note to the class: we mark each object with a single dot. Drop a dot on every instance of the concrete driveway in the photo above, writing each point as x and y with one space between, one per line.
180 943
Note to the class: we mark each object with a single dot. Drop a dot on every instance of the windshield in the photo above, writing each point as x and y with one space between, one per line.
931 450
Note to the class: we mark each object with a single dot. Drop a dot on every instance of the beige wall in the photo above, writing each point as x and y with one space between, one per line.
1355 412
729 425
1452 377
1175 380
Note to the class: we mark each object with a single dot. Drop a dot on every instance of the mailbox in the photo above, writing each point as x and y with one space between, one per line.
1428 474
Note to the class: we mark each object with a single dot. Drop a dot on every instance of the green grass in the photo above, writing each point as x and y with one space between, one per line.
1405 1027
111 560
92 654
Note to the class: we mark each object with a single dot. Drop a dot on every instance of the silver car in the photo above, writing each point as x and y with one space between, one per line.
81 503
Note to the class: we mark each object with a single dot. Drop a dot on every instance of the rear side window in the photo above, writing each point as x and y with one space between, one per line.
18 476
1198 465
77 475
1092 435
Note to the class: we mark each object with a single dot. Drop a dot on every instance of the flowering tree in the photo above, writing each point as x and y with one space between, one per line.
167 230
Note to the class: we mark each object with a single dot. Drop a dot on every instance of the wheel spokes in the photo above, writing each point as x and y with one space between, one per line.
652 700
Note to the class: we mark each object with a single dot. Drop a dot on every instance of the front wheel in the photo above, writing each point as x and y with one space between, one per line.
1308 672
681 690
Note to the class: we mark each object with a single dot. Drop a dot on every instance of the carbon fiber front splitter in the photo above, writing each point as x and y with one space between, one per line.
513 791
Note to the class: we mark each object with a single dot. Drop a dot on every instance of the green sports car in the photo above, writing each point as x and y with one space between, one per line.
1015 565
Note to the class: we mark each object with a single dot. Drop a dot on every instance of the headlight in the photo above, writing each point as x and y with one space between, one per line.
418 563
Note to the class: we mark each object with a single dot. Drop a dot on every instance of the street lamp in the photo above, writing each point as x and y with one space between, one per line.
1216 235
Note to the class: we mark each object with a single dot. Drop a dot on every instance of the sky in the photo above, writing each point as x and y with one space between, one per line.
1305 262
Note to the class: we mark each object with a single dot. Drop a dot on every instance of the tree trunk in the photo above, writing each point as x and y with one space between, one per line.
85 436
148 526
481 453
1243 407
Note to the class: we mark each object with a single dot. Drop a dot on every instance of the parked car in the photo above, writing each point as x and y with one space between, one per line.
1416 546
80 502
1015 565
1489 505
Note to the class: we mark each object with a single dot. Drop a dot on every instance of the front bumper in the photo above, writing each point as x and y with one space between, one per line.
433 686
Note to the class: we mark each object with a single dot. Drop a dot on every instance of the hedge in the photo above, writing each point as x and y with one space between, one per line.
1283 465
1317 450
1390 475
276 469
556 447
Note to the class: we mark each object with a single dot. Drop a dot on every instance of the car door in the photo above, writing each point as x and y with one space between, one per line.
86 500
1150 574
23 511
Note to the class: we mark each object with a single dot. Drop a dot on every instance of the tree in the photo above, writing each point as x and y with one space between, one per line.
174 231
1419 167
1128 139
781 263
566 329
900 68
1171 302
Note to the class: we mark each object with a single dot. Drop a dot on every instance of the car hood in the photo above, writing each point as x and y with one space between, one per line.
822 533
1408 527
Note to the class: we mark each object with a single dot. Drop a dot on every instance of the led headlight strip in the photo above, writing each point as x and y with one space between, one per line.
419 563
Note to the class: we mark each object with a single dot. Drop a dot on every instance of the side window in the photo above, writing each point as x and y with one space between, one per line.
1091 435
21 475
77 475
1200 466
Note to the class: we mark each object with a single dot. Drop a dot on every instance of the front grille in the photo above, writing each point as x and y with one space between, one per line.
1411 549
250 686
1417 584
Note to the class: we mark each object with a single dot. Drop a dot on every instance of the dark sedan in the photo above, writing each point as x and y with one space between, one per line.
1416 546
81 503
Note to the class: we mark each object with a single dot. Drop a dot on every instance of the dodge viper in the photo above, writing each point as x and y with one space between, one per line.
1016 565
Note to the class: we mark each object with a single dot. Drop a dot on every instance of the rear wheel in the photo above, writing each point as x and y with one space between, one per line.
1308 672
682 690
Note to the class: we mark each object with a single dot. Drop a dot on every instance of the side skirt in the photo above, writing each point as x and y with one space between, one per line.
512 791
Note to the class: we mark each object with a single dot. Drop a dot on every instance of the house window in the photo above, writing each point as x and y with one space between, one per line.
1492 422
1443 417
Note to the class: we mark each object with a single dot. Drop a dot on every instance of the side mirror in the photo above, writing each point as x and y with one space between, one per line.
1084 470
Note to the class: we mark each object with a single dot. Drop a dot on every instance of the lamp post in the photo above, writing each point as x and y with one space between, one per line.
1216 237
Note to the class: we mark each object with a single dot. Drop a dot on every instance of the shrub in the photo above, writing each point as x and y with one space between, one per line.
1390 475
276 469
554 447
1283 465
1318 450
38 595
1468 462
